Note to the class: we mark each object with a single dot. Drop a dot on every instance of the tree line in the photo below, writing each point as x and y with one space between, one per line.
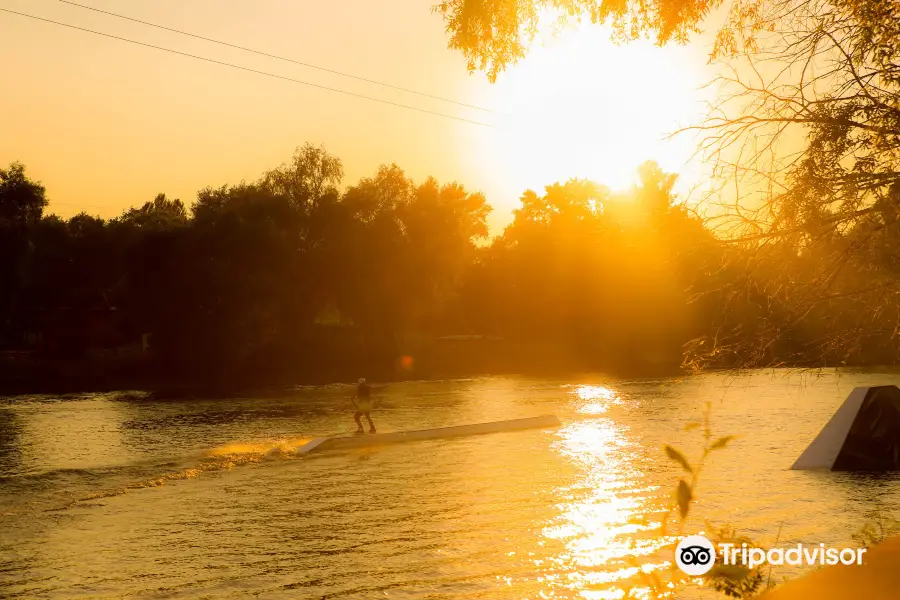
802 142
292 276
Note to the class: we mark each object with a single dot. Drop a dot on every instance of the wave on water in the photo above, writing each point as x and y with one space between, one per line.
225 457
124 395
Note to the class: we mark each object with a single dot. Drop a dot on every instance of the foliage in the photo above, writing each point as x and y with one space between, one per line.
22 200
806 125
291 275
610 274
875 531
159 214
232 289
803 142
492 35
22 203
685 490
734 581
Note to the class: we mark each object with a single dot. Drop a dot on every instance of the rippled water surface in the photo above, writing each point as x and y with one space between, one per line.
120 496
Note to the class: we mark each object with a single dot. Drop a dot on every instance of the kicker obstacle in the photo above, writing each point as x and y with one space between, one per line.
377 439
863 435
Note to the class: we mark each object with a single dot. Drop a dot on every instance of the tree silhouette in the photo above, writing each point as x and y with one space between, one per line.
22 203
261 283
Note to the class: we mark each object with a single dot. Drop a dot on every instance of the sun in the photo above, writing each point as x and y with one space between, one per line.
583 106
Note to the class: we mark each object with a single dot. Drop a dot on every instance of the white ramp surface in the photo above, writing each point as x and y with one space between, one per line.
377 439
824 450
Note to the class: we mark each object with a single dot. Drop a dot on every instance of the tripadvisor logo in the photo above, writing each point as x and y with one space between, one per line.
695 555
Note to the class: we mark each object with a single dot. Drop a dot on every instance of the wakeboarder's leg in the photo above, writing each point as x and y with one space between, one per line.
371 424
359 424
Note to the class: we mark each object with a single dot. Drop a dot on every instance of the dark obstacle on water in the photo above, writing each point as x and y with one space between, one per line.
863 435
361 441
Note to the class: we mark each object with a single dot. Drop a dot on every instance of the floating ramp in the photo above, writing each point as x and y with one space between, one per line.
863 435
378 439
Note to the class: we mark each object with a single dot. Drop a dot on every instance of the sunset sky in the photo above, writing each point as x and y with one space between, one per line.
105 124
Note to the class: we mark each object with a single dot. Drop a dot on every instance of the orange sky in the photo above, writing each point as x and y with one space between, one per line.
106 125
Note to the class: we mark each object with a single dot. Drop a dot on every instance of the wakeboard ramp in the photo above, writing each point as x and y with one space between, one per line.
397 437
863 435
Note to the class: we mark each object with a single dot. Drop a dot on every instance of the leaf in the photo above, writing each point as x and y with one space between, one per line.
691 425
735 573
684 496
721 442
678 457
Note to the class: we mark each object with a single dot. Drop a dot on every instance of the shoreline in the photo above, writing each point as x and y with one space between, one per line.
22 375
161 386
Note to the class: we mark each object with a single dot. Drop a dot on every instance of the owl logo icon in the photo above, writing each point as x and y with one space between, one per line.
695 555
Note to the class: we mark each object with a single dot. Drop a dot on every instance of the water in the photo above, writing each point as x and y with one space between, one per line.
118 496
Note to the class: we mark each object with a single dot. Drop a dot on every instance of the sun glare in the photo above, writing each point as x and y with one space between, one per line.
581 106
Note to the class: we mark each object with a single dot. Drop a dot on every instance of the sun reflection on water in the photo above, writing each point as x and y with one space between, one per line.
609 523
595 399
591 392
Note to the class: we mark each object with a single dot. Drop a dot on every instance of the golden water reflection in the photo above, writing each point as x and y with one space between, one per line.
111 497
595 399
610 519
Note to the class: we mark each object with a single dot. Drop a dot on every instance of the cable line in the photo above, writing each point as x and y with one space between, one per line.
248 69
275 56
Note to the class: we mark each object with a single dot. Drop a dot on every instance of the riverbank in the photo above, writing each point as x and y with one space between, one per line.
444 358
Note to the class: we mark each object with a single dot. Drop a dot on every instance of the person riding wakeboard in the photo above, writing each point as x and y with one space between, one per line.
363 403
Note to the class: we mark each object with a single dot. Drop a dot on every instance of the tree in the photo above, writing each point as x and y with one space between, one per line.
808 128
22 203
604 277
803 138
492 35
310 178
224 291
442 225
234 290
158 214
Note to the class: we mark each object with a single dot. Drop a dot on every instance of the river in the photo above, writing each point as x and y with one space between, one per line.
124 496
